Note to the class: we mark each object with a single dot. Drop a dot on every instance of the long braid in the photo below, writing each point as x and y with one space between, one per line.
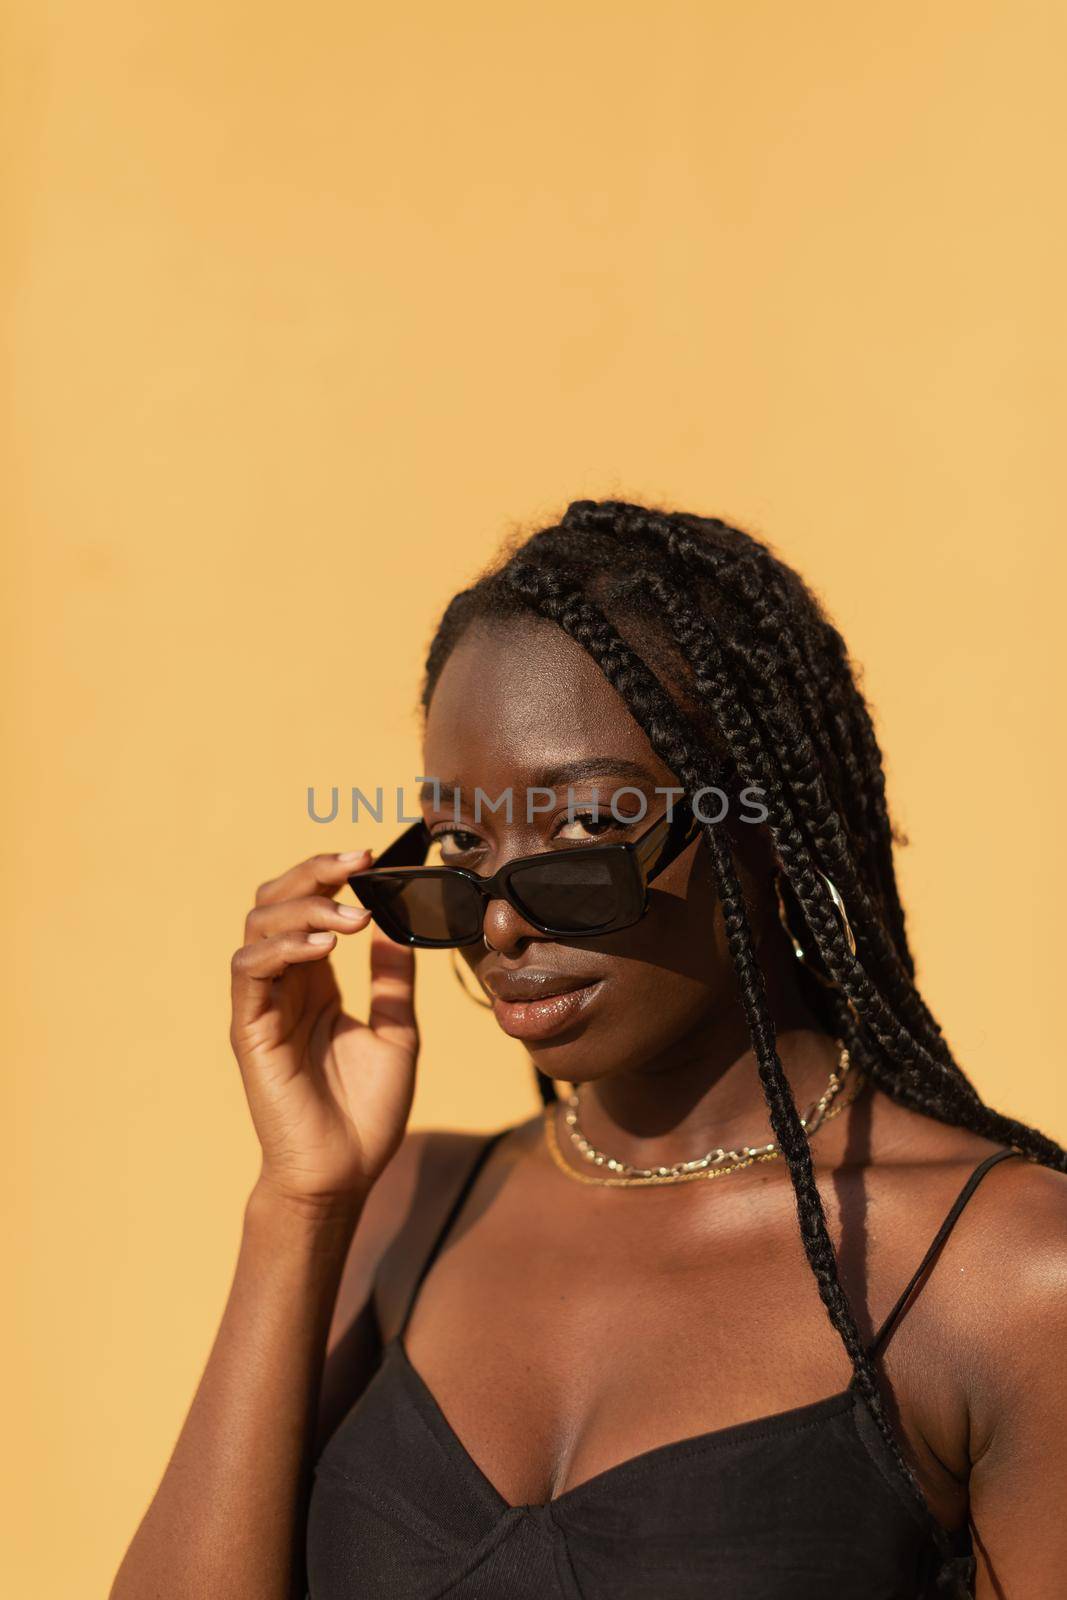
772 676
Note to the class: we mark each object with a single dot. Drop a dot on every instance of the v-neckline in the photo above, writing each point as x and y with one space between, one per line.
795 1418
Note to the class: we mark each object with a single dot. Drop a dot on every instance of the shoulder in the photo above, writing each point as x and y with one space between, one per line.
1019 1287
401 1207
1011 1237
921 1167
977 1356
1026 1208
400 1218
1020 1210
395 1230
1018 1400
1002 1271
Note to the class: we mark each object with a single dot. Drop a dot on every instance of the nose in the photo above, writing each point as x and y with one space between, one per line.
505 930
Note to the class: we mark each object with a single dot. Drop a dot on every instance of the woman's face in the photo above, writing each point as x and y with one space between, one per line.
520 706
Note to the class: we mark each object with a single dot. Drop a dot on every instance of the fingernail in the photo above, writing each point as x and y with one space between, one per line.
321 938
352 913
348 856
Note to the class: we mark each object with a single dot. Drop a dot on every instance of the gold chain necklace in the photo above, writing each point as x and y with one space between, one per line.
716 1163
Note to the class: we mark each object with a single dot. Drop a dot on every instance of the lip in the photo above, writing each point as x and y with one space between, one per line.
531 983
550 1013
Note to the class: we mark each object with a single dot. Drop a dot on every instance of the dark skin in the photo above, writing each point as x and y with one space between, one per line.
566 1328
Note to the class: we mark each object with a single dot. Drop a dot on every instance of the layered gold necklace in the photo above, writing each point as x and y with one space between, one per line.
715 1164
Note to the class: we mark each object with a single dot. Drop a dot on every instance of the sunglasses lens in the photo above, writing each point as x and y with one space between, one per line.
576 894
440 910
559 892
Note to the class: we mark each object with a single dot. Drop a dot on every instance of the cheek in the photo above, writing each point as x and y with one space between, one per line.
671 970
683 928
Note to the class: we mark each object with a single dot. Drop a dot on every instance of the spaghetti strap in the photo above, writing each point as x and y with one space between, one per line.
935 1245
450 1216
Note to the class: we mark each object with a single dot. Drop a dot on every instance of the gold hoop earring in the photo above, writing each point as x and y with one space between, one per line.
839 907
839 904
783 918
479 1000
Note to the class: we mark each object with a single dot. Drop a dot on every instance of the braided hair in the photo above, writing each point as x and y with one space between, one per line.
764 694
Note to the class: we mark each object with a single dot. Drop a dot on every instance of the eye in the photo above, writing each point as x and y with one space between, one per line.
585 828
456 842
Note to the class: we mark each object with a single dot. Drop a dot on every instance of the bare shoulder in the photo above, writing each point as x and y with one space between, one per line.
395 1230
1017 1401
1007 1247
400 1215
1005 1296
980 1366
1019 1207
1025 1212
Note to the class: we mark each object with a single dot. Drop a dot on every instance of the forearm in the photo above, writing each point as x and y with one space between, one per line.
225 1520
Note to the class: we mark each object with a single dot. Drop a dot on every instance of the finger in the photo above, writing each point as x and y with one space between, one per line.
316 875
255 966
392 991
300 916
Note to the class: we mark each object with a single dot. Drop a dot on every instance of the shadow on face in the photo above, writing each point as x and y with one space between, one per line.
519 706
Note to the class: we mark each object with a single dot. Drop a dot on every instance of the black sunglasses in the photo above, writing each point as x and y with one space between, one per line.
582 890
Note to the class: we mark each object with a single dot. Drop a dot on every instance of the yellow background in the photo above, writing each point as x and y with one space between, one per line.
305 307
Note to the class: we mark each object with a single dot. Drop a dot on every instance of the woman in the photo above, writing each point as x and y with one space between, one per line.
478 1367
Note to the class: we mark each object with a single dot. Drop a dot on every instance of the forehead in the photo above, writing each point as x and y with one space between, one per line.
517 697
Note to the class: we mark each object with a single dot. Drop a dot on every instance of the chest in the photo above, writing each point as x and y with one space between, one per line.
557 1351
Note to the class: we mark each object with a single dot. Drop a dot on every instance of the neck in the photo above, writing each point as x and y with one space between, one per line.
705 1092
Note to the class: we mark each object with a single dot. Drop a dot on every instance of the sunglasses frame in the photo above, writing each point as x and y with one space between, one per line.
649 855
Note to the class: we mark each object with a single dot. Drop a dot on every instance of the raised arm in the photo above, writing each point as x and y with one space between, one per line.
330 1097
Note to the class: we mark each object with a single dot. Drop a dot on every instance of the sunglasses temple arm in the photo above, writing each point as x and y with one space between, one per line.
666 840
409 850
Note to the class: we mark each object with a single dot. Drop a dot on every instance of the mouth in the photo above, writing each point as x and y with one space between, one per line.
539 1005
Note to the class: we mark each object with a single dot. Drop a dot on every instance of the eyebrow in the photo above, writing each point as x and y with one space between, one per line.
567 772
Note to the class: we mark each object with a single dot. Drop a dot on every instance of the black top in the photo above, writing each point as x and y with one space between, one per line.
796 1506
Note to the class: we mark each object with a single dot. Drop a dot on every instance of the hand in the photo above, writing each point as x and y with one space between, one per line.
330 1095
